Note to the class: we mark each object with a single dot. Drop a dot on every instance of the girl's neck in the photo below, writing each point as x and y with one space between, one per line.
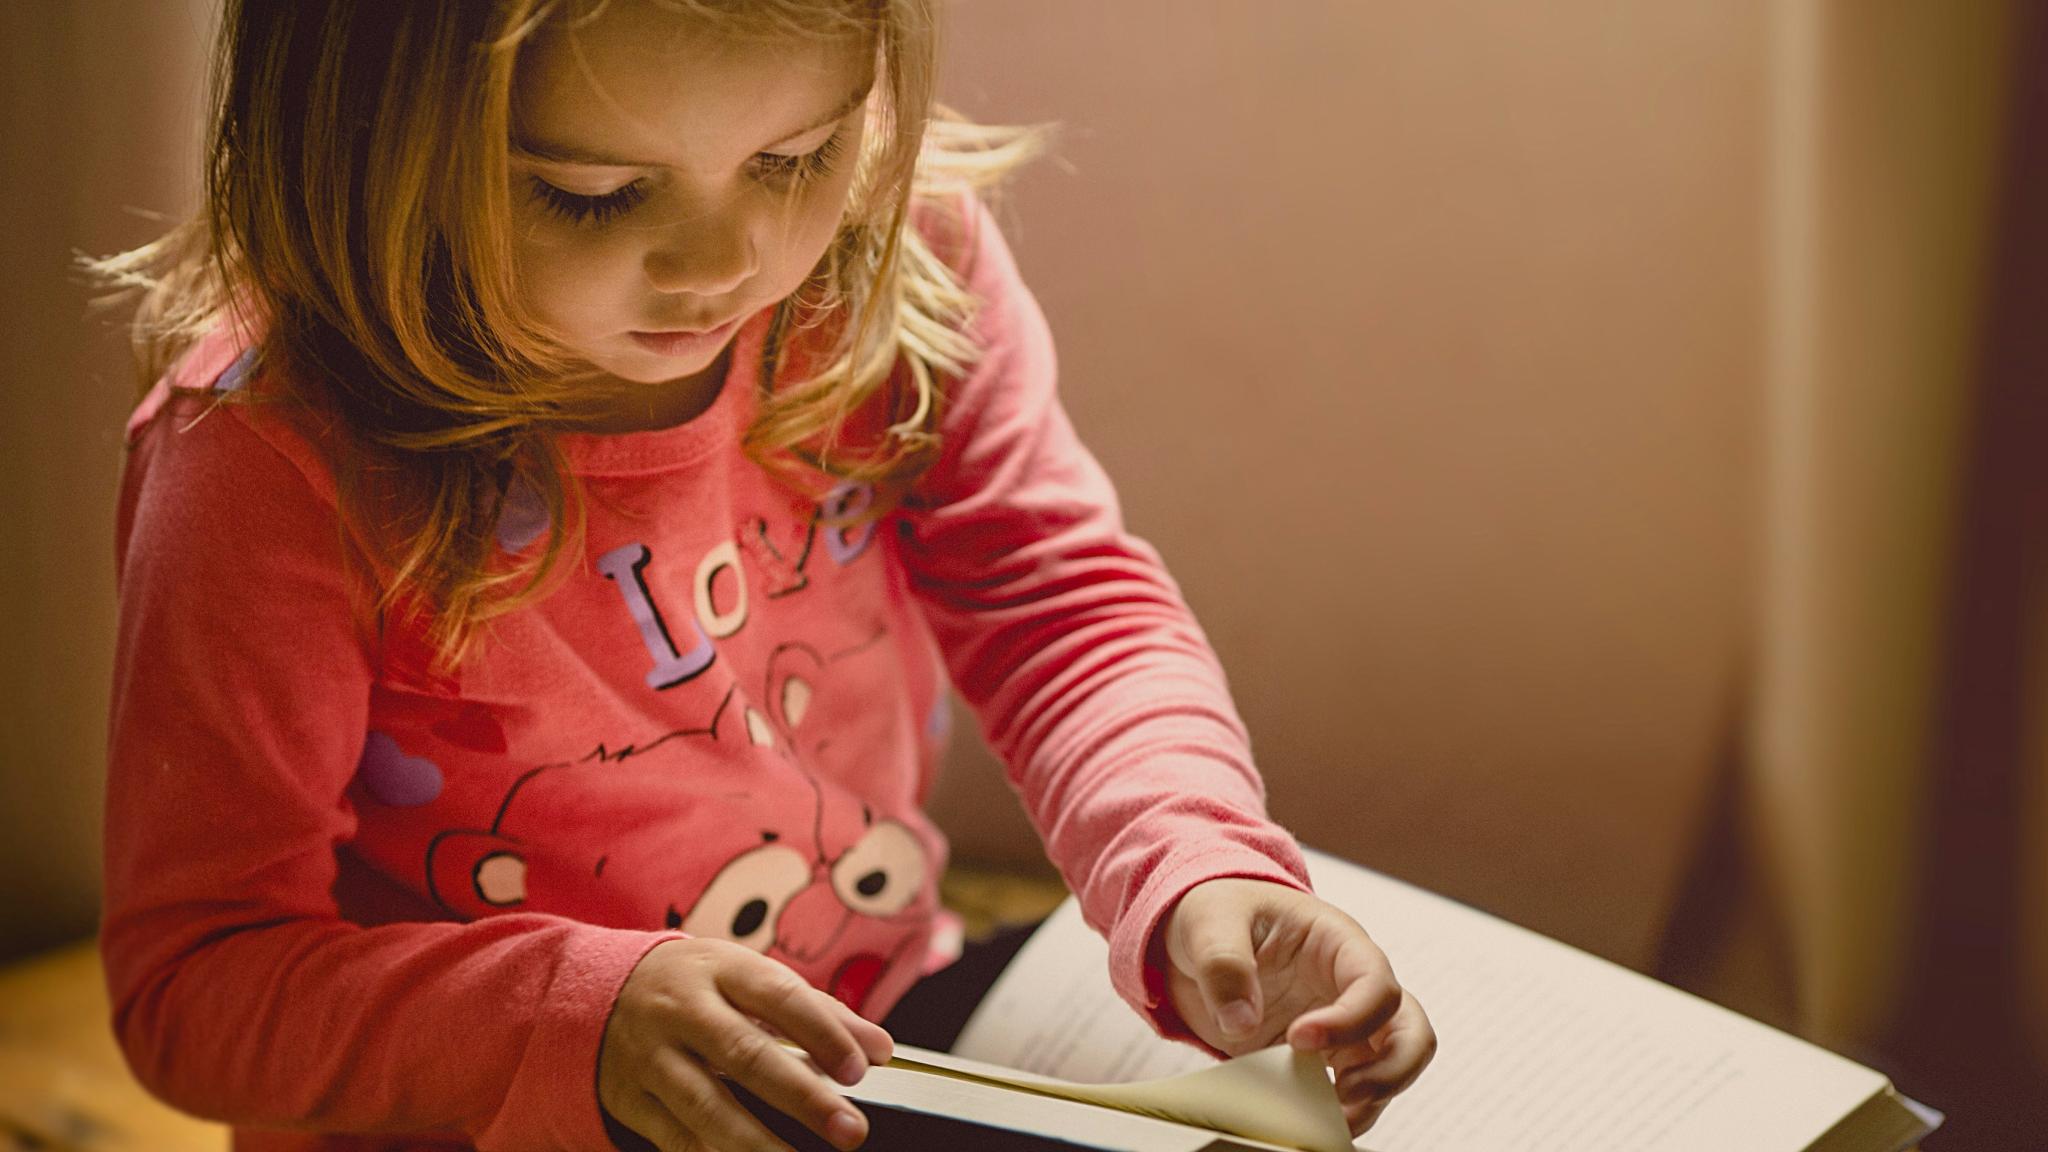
647 407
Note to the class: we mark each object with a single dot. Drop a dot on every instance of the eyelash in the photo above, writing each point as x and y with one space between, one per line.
599 210
799 170
775 171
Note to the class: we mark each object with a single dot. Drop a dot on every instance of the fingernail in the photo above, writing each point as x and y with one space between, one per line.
845 1130
1238 1018
852 1070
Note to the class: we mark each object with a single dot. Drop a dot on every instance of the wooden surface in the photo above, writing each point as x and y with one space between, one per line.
63 1084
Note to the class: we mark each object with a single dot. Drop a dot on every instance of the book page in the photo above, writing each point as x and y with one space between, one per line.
1277 1096
1067 1121
1542 1048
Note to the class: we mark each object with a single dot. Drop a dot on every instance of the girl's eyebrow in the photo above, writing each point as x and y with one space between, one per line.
858 98
572 154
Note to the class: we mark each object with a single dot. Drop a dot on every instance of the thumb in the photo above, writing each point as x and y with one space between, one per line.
1218 954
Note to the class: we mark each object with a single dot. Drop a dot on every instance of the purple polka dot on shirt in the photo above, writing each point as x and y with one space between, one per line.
236 375
523 518
393 777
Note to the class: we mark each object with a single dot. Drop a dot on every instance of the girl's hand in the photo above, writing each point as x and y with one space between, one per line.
695 1008
1251 961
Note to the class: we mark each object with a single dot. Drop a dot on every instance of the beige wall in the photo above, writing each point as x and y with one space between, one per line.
100 99
1423 339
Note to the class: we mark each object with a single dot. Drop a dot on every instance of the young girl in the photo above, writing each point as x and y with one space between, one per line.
590 436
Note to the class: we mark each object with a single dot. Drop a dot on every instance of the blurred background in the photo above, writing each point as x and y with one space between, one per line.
1604 441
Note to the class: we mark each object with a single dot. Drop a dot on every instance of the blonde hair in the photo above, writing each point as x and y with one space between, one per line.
356 218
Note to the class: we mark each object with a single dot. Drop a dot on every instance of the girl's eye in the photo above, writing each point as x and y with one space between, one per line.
769 168
579 209
794 171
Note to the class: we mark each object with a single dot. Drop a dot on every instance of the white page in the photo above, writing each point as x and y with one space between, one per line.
1543 1048
1276 1096
986 1103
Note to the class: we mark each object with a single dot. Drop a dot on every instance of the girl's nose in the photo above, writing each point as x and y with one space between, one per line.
710 255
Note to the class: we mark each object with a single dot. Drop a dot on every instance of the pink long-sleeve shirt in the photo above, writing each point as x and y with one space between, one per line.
353 904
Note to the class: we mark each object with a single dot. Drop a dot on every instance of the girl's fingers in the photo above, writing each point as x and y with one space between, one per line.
1216 951
650 1118
1366 1071
874 1040
751 1057
1366 1082
811 1019
1361 1010
872 1037
1361 1116
1367 997
696 1101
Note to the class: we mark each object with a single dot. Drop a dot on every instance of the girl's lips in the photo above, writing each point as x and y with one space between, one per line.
686 345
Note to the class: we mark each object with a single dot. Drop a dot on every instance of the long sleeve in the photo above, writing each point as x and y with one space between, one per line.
239 705
1072 644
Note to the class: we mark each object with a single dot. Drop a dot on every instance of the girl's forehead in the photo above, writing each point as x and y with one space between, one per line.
639 81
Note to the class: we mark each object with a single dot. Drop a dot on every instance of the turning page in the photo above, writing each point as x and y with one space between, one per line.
1277 1096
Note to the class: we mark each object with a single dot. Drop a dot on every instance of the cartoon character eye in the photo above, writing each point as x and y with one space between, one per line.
883 871
792 673
744 900
796 700
501 879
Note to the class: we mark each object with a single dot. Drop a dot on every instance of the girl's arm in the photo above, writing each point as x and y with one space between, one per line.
239 706
1071 642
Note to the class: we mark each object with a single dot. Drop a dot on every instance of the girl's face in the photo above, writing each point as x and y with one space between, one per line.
669 183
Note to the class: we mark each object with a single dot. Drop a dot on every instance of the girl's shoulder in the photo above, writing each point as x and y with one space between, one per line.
959 228
219 404
962 231
946 224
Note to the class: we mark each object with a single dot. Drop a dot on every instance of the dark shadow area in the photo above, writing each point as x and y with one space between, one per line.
1959 1041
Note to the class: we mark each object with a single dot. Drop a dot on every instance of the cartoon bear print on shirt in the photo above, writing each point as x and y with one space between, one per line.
741 843
746 826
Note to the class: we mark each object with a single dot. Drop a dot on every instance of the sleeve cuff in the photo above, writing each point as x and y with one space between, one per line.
552 1101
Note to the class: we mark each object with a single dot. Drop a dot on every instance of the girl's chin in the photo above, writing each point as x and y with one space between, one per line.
653 371
657 379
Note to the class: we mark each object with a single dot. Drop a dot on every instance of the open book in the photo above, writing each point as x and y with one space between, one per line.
1542 1047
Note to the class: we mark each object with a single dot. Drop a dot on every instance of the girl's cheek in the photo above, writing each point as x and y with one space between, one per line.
812 232
556 270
